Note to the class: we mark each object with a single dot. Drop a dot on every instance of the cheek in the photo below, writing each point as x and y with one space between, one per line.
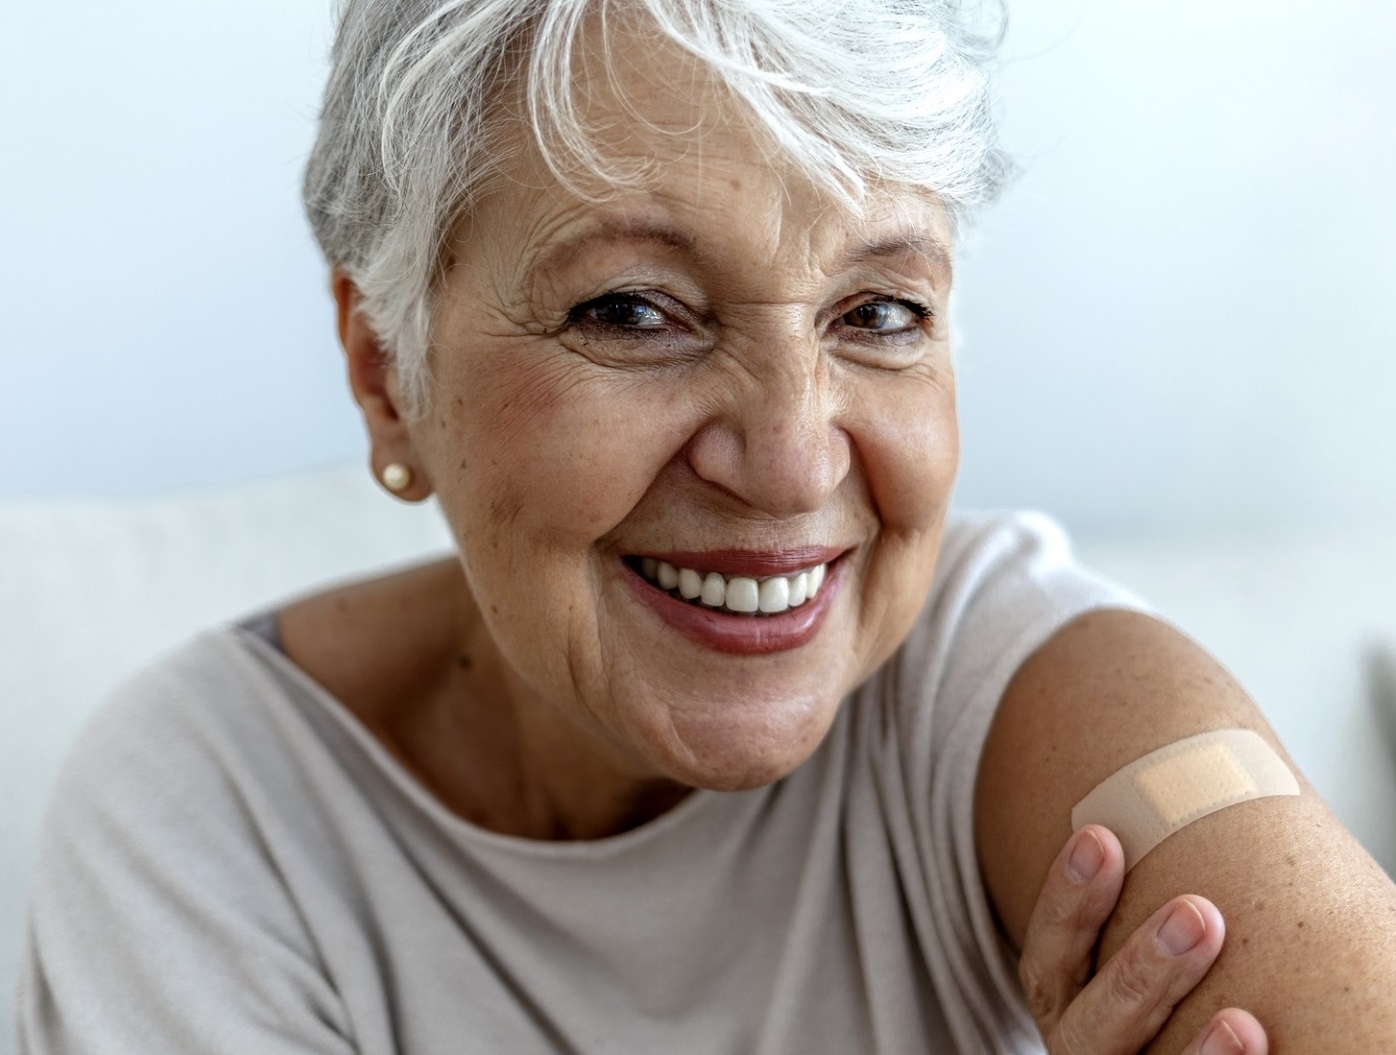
908 441
550 454
908 445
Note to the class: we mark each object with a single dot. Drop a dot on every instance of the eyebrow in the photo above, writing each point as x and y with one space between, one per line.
565 253
926 247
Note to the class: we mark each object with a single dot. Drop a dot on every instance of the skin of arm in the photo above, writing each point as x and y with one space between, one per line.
1310 918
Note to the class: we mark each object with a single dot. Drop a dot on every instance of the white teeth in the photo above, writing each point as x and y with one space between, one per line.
690 584
775 595
668 575
741 593
714 590
799 589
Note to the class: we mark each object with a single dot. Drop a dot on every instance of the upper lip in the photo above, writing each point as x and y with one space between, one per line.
753 563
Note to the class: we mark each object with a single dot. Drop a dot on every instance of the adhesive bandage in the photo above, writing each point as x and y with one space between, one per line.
1154 796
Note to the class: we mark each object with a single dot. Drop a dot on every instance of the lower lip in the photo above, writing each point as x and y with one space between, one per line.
743 635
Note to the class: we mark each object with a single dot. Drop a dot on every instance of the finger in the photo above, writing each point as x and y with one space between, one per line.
1231 1032
1132 995
1077 898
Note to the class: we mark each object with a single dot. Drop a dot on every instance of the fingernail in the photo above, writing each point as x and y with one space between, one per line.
1086 858
1222 1040
1182 930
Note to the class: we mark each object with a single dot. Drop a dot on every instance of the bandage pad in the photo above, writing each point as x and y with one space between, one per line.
1155 796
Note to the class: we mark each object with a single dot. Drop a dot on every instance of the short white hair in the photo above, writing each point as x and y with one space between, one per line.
850 92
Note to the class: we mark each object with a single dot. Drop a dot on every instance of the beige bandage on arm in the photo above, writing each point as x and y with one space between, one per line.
1168 789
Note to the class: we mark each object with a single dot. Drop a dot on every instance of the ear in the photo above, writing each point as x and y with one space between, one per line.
373 380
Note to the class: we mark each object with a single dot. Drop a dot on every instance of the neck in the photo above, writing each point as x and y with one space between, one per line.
496 753
572 783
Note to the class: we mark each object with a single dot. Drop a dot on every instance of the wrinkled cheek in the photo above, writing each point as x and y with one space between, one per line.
910 449
553 461
585 474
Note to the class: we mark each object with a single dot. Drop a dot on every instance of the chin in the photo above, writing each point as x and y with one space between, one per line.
742 747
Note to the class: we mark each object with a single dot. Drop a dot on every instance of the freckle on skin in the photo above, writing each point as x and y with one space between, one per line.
341 605
463 662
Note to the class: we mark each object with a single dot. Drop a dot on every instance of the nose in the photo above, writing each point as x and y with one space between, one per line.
774 441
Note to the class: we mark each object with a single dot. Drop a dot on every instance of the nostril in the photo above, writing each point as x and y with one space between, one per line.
715 454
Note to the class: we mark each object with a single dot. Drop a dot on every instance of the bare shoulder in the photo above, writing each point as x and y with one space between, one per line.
376 643
1109 687
1311 919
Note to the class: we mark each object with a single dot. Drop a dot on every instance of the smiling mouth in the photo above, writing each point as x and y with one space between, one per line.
732 594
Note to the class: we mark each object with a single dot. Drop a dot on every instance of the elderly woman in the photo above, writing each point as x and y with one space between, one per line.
720 732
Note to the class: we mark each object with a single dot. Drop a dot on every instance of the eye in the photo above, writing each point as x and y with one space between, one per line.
886 316
883 331
620 311
648 328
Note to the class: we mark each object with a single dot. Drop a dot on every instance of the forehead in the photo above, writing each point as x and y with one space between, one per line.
668 156
720 205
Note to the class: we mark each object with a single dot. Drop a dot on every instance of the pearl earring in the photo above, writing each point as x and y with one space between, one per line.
396 477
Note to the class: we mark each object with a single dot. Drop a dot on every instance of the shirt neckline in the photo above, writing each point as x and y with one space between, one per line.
253 646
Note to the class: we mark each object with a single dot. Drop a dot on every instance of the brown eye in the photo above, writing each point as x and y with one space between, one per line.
646 328
885 316
621 311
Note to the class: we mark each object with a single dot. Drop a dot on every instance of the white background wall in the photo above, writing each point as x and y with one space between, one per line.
164 314
1179 319
1182 317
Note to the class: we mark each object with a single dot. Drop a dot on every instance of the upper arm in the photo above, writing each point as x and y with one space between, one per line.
1311 919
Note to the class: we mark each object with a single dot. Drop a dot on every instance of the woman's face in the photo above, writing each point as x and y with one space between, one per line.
724 373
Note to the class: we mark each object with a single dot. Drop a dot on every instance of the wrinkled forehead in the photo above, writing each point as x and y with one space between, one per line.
614 98
635 115
606 107
649 139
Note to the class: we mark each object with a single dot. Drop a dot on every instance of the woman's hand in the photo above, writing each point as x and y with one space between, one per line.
1119 1008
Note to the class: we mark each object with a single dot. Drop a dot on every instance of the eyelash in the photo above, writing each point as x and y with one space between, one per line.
921 312
582 313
